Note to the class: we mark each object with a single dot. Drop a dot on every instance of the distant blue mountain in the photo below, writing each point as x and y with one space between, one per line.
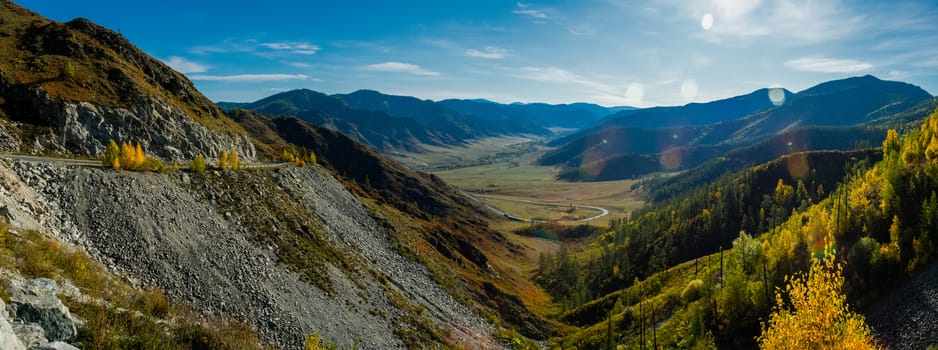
374 128
695 113
389 122
575 115
695 133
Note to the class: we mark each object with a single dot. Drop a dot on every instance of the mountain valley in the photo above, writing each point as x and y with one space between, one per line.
136 213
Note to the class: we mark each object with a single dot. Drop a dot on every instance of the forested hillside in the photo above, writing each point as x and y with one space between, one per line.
881 223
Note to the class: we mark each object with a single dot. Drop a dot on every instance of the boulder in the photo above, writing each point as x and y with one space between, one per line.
56 345
8 338
30 334
35 301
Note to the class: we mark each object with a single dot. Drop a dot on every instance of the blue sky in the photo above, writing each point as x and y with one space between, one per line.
611 52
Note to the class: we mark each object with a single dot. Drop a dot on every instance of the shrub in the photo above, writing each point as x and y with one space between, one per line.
156 165
68 71
693 291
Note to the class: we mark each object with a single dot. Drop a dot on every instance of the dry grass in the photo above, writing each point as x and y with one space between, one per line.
437 157
118 316
568 213
539 183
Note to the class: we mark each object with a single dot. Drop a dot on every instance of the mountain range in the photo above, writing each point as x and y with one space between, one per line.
403 123
611 143
617 149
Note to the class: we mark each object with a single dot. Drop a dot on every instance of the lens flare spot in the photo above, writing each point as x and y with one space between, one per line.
674 136
777 96
797 165
689 89
671 159
635 92
592 163
706 22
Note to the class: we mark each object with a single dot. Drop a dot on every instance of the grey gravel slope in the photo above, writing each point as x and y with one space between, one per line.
157 229
905 318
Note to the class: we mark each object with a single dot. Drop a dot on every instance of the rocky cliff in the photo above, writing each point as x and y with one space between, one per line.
71 87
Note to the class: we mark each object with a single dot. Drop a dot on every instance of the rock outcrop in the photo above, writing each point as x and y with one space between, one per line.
8 338
30 334
85 128
36 318
56 345
9 140
35 301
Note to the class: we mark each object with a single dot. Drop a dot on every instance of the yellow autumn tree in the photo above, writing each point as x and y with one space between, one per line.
818 317
198 164
312 342
140 158
223 160
931 152
110 155
233 160
127 155
891 143
287 156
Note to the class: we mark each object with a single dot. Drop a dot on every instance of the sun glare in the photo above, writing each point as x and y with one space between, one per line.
635 92
689 89
777 95
706 22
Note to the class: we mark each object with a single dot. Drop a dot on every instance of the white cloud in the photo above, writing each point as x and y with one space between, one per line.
226 46
250 77
828 65
299 64
559 75
927 63
526 10
490 52
302 48
398 67
632 94
185 66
